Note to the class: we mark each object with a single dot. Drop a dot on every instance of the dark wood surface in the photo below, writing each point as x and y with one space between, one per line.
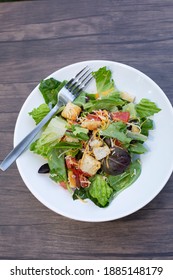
39 37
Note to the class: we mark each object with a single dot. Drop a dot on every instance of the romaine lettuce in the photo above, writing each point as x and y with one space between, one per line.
146 125
146 108
57 165
54 131
104 82
52 134
39 113
80 132
130 107
107 103
116 130
49 89
99 191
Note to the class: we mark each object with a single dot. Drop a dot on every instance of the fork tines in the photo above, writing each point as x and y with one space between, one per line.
76 84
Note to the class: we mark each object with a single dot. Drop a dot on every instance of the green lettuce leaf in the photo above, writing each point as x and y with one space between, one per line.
146 125
104 82
52 134
136 136
137 148
41 150
54 131
39 113
57 166
80 132
107 103
124 180
80 100
68 145
49 89
146 108
116 130
130 107
81 193
99 191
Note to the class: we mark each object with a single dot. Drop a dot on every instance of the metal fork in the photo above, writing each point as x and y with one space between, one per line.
67 94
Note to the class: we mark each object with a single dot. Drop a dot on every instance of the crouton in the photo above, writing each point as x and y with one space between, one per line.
101 152
91 124
89 165
71 111
95 143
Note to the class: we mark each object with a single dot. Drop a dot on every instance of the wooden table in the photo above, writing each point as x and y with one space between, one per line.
39 37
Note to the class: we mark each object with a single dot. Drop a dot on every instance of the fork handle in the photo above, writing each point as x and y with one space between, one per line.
20 148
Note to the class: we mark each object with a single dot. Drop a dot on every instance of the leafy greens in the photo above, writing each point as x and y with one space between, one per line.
67 144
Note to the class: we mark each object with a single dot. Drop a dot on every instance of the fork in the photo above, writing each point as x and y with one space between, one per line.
67 94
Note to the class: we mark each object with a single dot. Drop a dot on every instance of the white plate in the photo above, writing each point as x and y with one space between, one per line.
157 163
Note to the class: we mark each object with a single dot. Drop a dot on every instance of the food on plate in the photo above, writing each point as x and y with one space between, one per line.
92 146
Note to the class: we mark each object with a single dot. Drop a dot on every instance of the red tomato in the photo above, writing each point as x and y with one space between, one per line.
120 116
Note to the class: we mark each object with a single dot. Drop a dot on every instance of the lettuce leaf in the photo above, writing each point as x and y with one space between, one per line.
52 134
81 193
104 82
68 145
106 103
116 130
137 148
99 191
146 125
41 150
146 108
80 100
124 180
49 89
57 166
54 131
39 113
130 107
136 136
80 132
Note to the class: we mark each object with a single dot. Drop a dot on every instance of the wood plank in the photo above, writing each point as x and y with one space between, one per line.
66 239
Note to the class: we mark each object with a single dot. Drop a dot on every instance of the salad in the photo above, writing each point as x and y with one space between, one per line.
92 146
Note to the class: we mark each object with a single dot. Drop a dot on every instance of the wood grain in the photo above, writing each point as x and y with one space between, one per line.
39 37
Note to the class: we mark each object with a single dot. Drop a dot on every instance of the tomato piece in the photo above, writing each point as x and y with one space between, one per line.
120 116
93 117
